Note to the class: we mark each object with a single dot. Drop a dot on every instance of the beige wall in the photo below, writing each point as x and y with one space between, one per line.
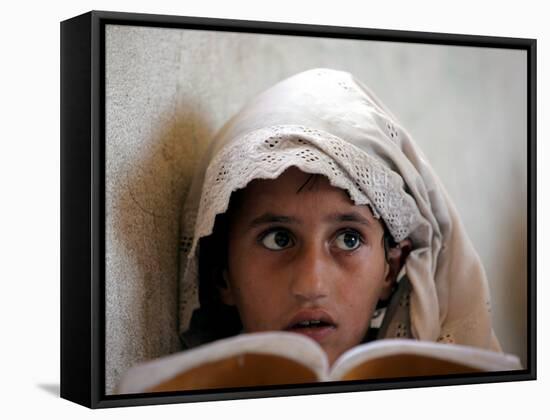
169 90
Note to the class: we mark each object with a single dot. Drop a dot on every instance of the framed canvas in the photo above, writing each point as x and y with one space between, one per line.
144 101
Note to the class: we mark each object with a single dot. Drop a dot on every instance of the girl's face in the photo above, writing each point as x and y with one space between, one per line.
309 262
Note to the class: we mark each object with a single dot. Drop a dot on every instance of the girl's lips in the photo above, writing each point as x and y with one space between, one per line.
318 334
321 324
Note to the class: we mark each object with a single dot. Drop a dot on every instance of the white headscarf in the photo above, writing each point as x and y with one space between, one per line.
326 122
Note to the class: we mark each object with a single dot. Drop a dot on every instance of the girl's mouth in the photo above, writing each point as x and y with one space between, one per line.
316 330
317 325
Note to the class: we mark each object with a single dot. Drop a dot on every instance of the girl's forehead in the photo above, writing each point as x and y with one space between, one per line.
293 183
295 190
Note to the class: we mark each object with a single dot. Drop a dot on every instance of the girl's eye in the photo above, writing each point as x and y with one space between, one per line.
348 241
277 240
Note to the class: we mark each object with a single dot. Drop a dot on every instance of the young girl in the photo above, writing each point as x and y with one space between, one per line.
315 212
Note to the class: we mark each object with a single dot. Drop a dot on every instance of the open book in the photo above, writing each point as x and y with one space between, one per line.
275 358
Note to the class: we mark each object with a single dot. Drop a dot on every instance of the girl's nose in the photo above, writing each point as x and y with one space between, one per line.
310 274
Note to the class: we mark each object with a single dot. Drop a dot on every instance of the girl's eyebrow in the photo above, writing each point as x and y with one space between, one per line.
349 217
267 218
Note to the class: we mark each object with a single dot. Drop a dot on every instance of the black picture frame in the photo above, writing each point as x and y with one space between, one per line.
83 204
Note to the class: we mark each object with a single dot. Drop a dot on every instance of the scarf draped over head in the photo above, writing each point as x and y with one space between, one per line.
326 122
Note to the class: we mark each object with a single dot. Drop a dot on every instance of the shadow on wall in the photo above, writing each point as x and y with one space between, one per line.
142 269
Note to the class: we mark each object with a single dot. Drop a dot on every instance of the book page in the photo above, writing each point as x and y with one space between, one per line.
245 370
269 358
393 358
404 366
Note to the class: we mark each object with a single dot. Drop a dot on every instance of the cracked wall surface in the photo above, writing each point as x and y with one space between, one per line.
169 90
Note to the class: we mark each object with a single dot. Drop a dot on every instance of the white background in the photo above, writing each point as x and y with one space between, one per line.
29 176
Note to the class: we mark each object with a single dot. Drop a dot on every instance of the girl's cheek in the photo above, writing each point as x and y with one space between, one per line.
360 259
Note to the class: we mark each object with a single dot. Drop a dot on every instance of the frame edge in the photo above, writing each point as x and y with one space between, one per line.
75 163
